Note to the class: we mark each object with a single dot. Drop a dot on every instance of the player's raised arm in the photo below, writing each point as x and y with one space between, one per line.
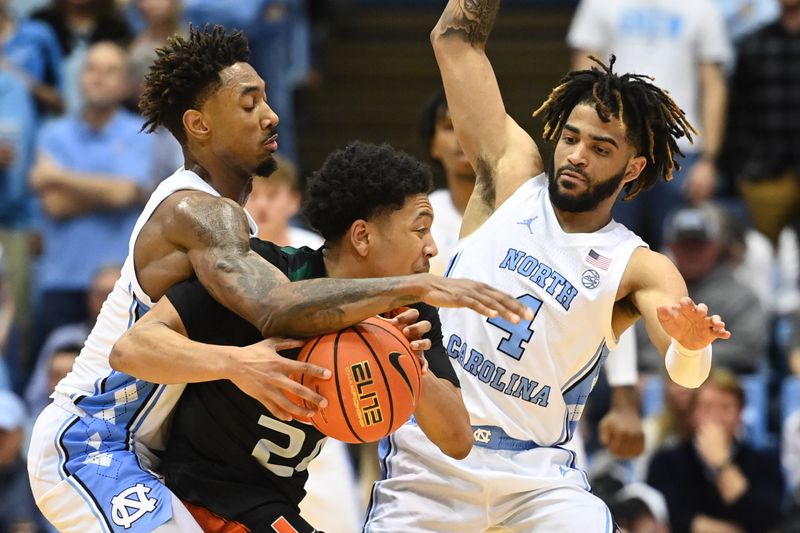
681 329
218 248
501 152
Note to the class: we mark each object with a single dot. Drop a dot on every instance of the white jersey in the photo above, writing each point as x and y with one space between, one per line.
93 386
532 379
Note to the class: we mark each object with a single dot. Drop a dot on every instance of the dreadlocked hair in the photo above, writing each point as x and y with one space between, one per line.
652 119
185 72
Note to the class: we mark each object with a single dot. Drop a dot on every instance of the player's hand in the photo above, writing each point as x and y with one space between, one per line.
480 297
621 432
263 374
689 324
406 322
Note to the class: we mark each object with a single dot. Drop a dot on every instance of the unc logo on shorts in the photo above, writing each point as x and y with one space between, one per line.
132 499
590 278
482 435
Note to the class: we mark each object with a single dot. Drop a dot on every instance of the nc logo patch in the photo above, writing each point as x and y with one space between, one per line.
131 504
482 435
590 278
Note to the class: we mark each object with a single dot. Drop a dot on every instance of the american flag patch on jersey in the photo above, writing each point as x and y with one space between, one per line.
600 261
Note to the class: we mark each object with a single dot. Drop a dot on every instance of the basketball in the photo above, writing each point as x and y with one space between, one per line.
374 385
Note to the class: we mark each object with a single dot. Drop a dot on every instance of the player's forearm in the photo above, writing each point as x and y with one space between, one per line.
312 307
466 21
153 352
443 418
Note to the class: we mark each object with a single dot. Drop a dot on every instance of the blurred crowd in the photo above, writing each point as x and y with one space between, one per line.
75 170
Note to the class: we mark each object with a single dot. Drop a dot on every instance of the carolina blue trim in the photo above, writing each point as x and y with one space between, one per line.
62 457
80 489
576 394
500 440
577 377
153 403
451 265
609 521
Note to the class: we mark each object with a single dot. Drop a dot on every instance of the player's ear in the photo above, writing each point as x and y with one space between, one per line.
359 237
635 168
196 124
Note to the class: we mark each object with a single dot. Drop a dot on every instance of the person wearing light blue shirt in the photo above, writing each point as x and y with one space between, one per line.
91 174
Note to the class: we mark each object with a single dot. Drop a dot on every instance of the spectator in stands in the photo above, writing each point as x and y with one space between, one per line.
441 145
683 44
790 455
712 479
31 50
696 242
743 17
78 24
91 174
18 512
17 133
160 18
274 201
763 132
66 337
639 508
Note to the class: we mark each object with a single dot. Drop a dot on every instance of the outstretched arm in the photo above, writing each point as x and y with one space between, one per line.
157 349
682 330
214 234
501 152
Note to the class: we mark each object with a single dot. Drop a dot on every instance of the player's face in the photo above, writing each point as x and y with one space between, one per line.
714 405
241 123
446 149
592 162
402 243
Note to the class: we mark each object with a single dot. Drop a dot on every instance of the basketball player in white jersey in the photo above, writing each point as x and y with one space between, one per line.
548 238
90 455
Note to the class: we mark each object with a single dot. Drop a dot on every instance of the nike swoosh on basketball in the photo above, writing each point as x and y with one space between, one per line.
394 359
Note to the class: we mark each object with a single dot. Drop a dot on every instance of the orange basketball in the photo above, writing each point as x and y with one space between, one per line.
375 383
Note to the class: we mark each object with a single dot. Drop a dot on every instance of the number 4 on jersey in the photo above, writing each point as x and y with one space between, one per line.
519 332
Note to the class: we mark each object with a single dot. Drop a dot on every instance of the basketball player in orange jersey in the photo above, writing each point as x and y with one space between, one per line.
546 233
92 447
228 456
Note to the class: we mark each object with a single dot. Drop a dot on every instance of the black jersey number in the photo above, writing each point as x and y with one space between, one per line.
266 448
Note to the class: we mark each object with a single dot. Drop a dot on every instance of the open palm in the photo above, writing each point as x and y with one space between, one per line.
689 324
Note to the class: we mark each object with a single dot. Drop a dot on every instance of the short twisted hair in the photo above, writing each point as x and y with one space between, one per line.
185 72
652 119
361 181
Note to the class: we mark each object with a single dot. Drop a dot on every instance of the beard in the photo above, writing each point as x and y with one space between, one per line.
588 199
266 167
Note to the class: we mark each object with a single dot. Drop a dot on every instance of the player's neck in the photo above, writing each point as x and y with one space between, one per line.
219 175
341 265
585 222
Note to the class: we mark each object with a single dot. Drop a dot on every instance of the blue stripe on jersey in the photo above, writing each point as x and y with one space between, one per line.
451 264
575 397
159 392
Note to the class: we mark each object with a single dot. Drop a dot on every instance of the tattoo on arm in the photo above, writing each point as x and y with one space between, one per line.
470 20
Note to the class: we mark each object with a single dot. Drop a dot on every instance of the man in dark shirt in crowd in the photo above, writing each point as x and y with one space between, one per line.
712 481
761 152
228 458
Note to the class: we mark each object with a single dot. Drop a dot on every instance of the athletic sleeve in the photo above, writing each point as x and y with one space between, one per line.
588 30
438 360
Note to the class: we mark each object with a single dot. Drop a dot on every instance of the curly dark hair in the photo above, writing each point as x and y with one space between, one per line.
185 73
653 120
361 181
